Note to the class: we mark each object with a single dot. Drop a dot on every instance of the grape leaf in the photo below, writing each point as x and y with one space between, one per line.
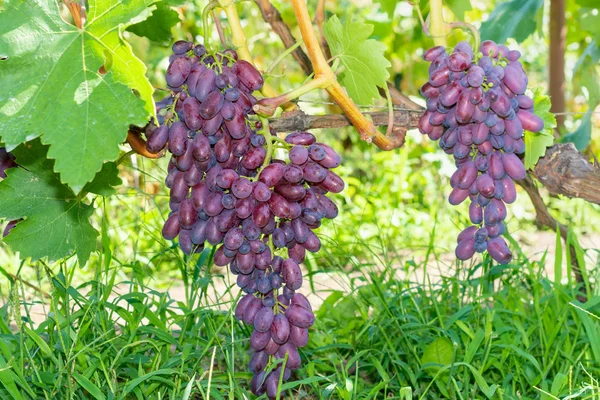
365 66
536 142
511 19
52 86
158 26
459 7
104 181
56 221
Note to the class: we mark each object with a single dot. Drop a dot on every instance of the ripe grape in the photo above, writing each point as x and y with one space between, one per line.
228 191
477 108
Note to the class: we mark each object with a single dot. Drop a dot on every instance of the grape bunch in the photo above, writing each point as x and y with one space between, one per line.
228 189
478 110
7 160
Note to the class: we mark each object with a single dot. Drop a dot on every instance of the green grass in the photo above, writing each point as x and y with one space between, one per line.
482 331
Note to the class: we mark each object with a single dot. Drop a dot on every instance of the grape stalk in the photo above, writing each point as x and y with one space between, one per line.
478 109
227 189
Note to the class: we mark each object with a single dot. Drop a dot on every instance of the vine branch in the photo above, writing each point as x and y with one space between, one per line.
565 171
545 219
299 121
272 16
324 78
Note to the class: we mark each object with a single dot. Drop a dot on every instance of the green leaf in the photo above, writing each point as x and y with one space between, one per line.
388 6
512 19
459 7
89 386
589 17
537 142
439 353
56 222
149 376
365 66
581 136
104 181
52 86
158 26
585 73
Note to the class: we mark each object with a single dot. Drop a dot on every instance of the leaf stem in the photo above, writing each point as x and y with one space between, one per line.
417 7
282 56
268 106
219 27
266 132
209 7
471 28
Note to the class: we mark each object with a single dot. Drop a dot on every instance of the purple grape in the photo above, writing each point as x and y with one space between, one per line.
496 167
530 121
464 177
280 329
178 139
465 249
513 166
433 53
515 78
178 72
171 227
158 140
248 75
475 213
459 61
498 250
292 275
457 196
211 105
299 316
485 185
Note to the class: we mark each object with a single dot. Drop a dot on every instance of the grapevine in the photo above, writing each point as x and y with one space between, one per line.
228 188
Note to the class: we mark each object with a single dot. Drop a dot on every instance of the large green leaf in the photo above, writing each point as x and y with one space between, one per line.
158 26
537 142
363 60
512 19
52 86
56 221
